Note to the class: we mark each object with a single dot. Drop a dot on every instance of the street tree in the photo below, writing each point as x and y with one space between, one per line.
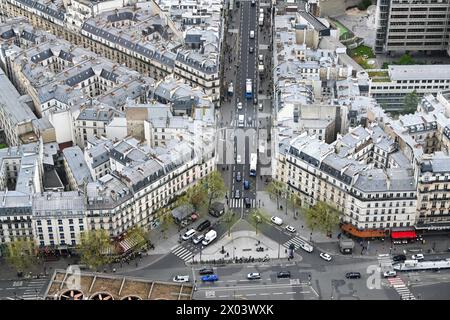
215 187
94 248
165 220
295 202
275 188
256 218
411 102
197 196
322 217
228 218
21 254
138 236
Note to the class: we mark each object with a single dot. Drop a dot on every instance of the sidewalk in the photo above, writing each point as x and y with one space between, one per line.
270 206
242 243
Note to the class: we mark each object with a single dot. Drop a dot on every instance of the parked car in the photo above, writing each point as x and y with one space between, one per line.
276 220
189 234
210 278
237 194
206 270
390 273
418 256
290 228
254 276
202 226
198 238
353 275
399 257
325 256
283 274
181 279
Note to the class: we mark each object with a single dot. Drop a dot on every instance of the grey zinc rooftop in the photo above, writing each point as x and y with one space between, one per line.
419 72
56 202
16 111
378 180
14 200
75 161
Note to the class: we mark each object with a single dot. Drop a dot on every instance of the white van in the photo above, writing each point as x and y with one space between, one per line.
189 234
209 237
241 120
252 34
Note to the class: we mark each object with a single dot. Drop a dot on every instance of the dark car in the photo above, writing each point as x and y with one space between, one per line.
248 203
400 257
353 275
283 274
250 49
246 184
202 226
238 176
205 271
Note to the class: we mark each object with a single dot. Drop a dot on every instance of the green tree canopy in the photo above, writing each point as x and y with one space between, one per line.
228 218
21 254
322 217
276 188
94 248
256 218
215 187
411 102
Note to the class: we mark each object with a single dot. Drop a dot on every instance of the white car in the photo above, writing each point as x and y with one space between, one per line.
238 158
290 229
254 275
181 279
325 256
239 105
390 273
197 239
418 256
276 220
189 234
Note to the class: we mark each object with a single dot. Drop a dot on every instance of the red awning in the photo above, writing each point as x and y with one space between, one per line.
403 234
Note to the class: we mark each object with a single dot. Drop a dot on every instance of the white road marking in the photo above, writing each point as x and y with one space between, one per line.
290 292
263 294
277 293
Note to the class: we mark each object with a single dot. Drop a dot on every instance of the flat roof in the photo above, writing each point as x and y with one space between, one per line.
420 72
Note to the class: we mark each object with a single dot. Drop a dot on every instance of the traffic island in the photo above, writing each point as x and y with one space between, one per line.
242 247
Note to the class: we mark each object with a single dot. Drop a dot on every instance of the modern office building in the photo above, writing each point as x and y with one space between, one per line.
412 25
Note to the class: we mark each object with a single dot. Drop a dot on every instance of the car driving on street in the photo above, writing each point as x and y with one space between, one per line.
276 220
290 228
205 271
210 278
353 275
180 279
198 238
325 256
189 234
418 256
283 274
254 276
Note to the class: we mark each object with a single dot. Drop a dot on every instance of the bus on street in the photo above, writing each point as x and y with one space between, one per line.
248 89
253 162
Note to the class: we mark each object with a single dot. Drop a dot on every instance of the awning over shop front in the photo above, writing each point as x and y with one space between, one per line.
403 234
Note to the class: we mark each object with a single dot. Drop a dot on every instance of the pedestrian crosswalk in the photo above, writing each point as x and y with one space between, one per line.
401 288
183 253
247 124
385 262
296 241
34 290
239 203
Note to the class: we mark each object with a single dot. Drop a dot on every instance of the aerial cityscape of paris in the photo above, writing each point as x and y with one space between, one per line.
224 150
